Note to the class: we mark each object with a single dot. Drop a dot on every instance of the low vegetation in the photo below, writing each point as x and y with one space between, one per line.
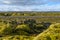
29 28
52 33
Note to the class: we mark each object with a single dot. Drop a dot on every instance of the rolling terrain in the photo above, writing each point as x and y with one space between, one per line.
29 25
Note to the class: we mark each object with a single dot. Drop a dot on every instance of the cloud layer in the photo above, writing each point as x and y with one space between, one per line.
29 5
23 2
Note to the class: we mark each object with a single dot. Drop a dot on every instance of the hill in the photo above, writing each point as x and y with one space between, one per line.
52 33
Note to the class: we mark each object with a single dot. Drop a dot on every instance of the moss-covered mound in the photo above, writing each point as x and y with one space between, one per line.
52 33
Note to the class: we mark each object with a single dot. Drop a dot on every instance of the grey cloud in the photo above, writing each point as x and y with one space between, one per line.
26 2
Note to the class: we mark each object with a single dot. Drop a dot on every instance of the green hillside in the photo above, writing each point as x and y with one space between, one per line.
52 33
21 31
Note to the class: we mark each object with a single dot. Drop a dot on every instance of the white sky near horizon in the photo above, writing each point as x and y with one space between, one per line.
29 5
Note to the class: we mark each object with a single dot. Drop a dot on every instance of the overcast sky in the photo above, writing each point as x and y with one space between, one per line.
29 5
